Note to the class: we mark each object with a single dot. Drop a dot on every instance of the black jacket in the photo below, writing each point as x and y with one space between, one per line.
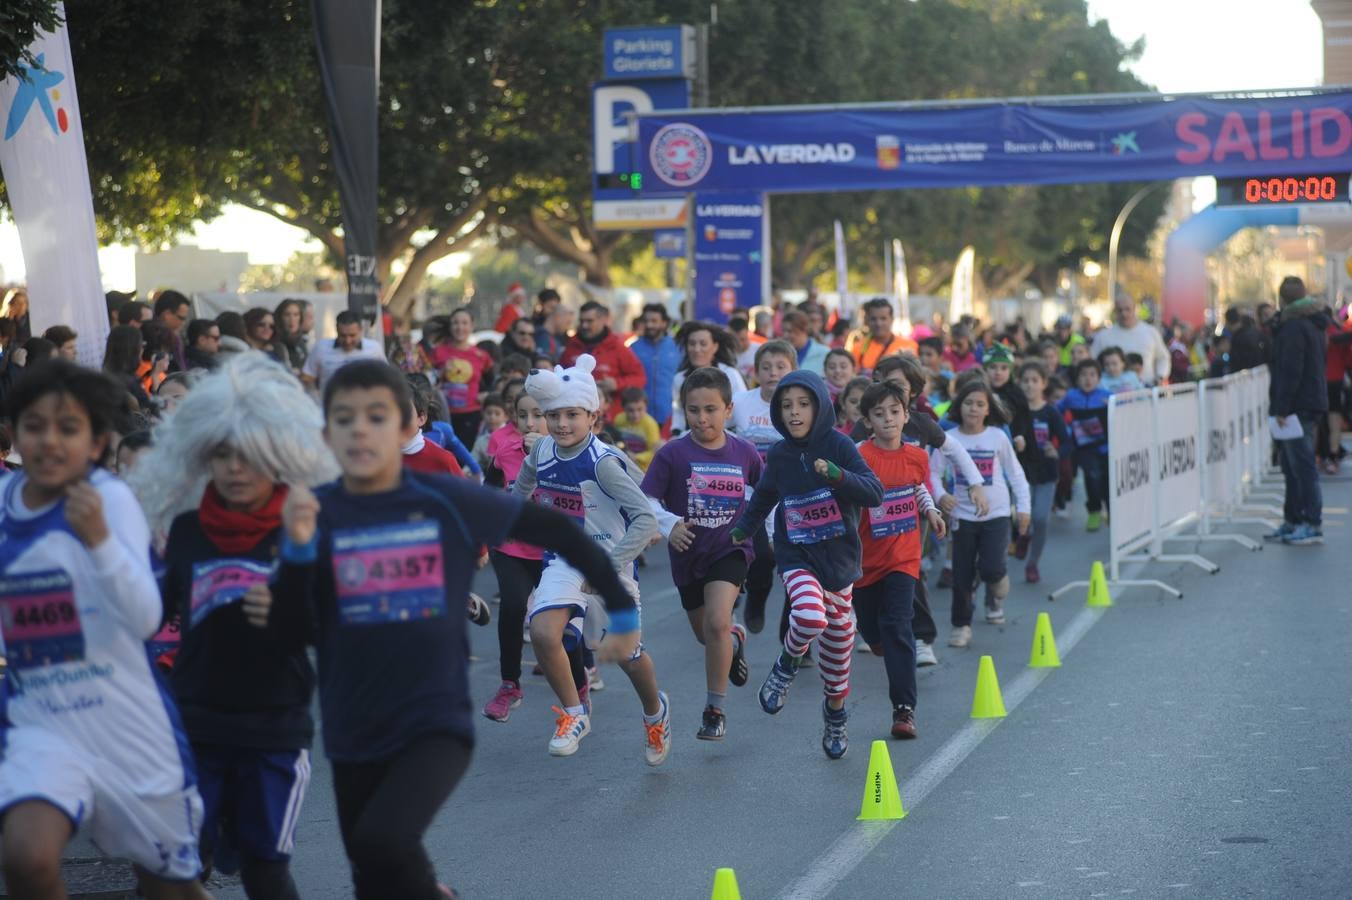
1298 360
236 685
1249 348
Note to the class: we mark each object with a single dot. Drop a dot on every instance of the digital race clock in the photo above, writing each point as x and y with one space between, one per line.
1282 190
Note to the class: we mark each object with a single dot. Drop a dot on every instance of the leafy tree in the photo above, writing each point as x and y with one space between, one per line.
485 121
20 22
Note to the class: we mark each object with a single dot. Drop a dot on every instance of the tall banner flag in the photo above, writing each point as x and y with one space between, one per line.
843 275
960 299
347 33
901 284
42 157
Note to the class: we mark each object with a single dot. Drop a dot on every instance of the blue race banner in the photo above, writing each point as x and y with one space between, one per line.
876 147
658 51
732 237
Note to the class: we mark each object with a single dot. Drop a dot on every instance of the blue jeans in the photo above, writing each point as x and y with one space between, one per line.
1043 494
1304 503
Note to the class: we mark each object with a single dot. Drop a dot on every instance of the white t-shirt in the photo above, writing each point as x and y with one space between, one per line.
997 463
751 421
1142 338
74 629
326 358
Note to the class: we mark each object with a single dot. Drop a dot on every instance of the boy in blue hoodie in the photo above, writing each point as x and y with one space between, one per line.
1085 407
820 482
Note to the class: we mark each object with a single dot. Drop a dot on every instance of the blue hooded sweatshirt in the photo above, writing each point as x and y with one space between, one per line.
817 521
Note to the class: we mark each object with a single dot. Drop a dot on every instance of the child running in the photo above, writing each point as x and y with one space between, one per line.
751 421
1085 407
884 596
1040 466
981 541
375 568
594 484
701 481
517 565
91 739
820 482
246 431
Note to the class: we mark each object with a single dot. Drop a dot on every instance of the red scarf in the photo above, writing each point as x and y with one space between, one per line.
237 532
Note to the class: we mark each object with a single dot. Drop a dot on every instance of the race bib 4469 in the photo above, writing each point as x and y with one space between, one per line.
39 620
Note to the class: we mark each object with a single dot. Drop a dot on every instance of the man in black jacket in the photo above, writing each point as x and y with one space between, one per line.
1298 391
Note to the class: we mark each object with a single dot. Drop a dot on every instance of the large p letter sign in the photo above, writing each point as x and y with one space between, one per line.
610 124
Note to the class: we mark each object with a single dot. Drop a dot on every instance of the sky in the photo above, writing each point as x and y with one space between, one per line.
1191 45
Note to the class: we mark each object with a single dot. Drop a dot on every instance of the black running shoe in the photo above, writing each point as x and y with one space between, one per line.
714 725
739 672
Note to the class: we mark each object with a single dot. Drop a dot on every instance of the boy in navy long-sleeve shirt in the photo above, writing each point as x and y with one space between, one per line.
821 483
1085 407
375 570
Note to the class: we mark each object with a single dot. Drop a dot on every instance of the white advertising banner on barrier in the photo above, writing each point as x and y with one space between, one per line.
42 157
1222 442
1131 521
1180 478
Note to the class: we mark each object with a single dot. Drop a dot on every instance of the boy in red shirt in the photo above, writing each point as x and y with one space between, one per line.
422 455
890 535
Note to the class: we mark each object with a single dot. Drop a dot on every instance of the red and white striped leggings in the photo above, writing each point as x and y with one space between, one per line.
815 612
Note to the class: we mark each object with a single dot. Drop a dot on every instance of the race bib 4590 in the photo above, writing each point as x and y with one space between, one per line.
389 573
897 515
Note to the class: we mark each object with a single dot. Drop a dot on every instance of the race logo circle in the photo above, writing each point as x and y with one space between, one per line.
351 573
793 517
680 154
699 482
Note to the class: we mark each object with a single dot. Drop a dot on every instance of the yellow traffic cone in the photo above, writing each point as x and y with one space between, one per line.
987 702
1098 587
1044 655
725 885
881 800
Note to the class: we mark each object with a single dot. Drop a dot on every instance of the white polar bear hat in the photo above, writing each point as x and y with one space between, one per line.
566 388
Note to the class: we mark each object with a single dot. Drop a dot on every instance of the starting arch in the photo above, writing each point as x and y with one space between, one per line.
1039 140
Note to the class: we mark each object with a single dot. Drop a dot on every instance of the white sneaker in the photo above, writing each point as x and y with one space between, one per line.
924 654
1062 512
569 731
961 636
995 601
657 736
594 679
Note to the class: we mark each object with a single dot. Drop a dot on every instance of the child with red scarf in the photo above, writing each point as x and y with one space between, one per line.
244 692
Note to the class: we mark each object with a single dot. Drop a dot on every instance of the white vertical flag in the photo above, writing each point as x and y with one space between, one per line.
42 157
960 302
842 275
901 284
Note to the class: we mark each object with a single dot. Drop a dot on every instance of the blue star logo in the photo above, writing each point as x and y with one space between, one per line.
1126 143
34 84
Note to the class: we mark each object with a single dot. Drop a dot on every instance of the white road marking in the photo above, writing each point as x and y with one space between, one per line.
854 846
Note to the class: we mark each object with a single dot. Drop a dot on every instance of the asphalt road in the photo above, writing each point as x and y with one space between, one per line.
1186 748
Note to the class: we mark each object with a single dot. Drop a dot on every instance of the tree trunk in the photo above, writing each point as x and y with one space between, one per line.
590 252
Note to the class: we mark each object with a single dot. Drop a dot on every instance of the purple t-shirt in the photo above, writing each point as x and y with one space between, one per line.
708 488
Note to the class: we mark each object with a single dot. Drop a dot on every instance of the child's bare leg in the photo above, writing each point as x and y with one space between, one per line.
643 675
546 637
719 596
